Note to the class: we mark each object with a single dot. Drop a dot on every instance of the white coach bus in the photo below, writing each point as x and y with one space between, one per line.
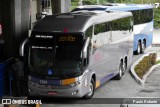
143 21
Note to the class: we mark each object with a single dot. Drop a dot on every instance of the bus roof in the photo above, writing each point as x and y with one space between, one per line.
129 7
76 22
121 7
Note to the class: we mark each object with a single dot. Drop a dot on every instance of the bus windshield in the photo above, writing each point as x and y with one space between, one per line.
57 58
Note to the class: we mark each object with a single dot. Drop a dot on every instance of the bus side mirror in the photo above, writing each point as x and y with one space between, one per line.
21 49
86 44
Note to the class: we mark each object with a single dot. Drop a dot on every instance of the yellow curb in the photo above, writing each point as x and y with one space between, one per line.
37 105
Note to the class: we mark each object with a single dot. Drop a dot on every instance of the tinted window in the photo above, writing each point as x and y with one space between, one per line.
142 16
120 24
58 53
120 28
89 31
108 32
100 28
125 24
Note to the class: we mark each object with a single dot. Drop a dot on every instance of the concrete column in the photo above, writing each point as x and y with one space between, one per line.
55 6
39 8
60 6
25 18
65 6
35 8
8 32
15 18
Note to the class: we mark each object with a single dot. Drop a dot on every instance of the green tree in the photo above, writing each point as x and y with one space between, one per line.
157 18
89 2
111 1
102 1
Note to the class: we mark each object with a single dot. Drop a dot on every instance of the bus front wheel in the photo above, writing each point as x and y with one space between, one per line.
91 90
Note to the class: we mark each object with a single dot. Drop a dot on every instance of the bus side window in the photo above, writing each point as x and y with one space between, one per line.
89 32
86 60
146 15
136 15
98 30
131 24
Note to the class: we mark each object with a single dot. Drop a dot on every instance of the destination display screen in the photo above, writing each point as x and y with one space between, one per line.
43 42
68 38
48 41
76 39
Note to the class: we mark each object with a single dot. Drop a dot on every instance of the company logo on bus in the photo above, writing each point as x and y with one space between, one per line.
50 72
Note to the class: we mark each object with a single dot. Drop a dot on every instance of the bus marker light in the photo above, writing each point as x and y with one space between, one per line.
0 29
65 30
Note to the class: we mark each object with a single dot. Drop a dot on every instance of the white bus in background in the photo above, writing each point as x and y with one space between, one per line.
72 54
143 21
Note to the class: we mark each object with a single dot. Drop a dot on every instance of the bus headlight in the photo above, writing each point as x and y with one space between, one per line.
74 84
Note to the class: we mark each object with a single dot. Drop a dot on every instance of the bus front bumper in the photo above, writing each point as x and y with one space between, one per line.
77 91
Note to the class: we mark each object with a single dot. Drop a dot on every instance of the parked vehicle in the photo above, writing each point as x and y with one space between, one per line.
143 21
72 54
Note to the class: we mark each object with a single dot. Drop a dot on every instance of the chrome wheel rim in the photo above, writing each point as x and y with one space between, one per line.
90 89
143 46
139 48
120 71
124 67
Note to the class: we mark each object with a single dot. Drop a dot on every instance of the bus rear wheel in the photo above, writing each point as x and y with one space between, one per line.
124 67
143 47
121 71
137 52
91 90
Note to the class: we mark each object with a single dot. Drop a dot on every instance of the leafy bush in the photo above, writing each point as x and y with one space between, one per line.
145 64
156 18
153 58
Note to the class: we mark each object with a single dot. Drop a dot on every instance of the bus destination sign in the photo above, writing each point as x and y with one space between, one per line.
68 38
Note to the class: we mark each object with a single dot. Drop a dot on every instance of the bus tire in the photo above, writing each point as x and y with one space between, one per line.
137 52
91 90
120 74
143 47
124 67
